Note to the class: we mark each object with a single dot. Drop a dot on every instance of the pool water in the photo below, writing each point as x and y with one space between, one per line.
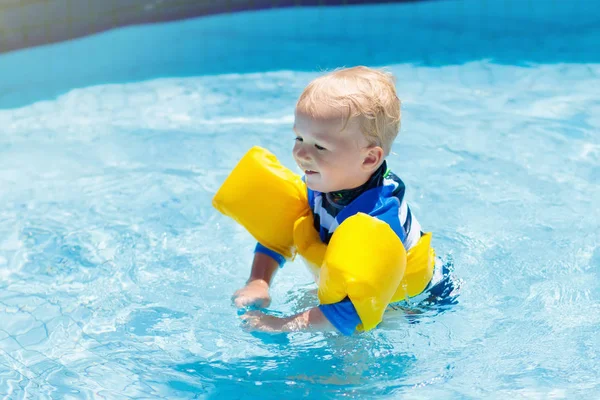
116 272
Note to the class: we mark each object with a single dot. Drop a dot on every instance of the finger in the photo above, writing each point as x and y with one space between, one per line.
264 303
248 315
237 295
249 321
239 300
244 301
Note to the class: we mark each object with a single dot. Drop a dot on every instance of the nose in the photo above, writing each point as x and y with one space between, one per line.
301 152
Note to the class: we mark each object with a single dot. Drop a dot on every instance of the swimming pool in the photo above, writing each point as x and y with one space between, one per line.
116 272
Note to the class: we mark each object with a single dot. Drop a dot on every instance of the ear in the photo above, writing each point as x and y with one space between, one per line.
372 159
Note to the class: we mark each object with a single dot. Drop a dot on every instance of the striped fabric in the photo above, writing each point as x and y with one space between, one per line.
381 197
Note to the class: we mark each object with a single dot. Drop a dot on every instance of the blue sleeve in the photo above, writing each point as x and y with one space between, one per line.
273 254
342 315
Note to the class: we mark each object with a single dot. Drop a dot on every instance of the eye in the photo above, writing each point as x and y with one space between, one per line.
298 139
320 147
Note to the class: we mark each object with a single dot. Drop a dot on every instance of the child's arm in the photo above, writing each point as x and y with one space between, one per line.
256 291
312 319
340 316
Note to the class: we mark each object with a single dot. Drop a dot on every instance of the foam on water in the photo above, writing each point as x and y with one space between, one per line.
116 272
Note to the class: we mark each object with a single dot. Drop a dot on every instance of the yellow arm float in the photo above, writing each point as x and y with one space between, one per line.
265 198
420 261
309 245
365 260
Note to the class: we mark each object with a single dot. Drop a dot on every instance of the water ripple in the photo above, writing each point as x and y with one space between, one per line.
116 272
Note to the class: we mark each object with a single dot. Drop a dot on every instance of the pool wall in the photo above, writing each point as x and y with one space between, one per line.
37 22
290 38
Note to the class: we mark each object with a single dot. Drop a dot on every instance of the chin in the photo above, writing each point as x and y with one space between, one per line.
316 186
313 187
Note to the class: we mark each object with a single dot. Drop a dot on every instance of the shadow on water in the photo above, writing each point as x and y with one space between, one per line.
442 296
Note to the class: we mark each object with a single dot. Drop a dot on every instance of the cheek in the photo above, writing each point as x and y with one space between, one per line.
321 160
352 161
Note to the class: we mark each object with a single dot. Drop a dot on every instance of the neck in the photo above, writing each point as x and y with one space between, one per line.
344 197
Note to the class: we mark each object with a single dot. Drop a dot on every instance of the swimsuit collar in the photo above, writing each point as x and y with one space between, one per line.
342 198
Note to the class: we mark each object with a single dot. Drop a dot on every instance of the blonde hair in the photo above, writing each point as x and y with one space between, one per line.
367 94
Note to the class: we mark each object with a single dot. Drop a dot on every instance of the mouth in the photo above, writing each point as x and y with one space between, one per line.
309 172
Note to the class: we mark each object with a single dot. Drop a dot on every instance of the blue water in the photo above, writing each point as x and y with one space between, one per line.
116 272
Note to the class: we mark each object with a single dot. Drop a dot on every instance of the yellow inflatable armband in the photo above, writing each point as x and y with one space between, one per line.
265 198
365 260
420 261
309 245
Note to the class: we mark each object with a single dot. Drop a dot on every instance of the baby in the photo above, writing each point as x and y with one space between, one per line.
345 124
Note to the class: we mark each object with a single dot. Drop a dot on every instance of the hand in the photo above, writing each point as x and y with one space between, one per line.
310 319
259 321
255 293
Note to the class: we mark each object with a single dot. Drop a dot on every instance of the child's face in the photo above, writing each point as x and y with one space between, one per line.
331 158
